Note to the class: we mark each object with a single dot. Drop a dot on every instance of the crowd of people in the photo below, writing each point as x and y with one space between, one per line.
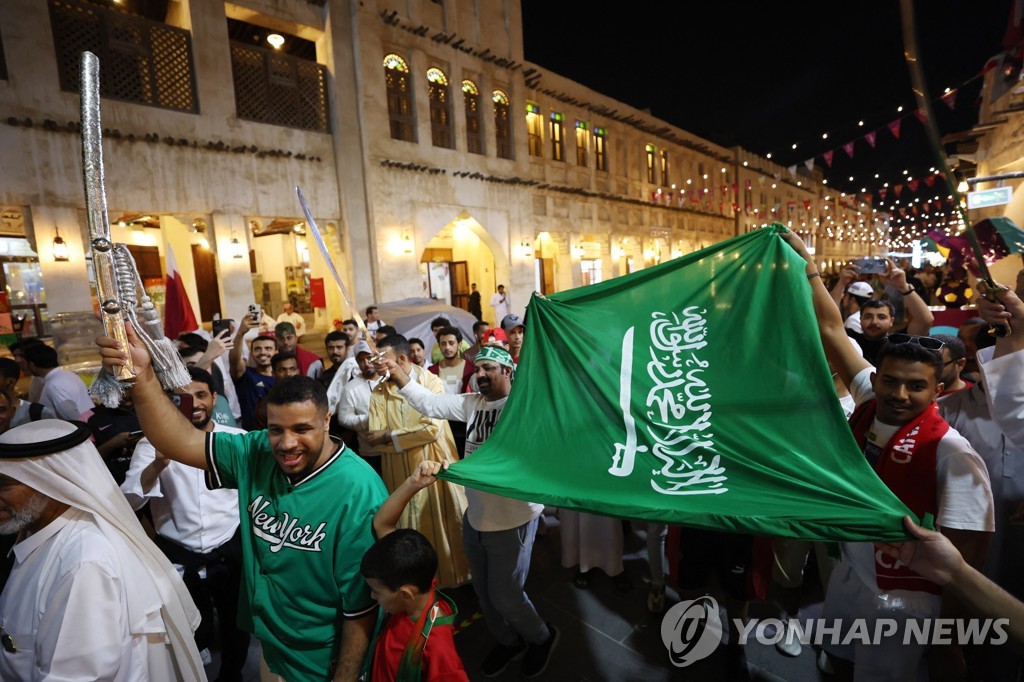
294 495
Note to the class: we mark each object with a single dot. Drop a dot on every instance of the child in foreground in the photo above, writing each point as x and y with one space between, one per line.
416 642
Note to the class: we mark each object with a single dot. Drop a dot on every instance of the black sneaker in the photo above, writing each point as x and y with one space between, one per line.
539 655
500 657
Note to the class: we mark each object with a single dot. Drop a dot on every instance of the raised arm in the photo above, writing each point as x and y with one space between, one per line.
165 427
235 359
386 519
219 344
438 406
843 357
921 319
1006 309
846 275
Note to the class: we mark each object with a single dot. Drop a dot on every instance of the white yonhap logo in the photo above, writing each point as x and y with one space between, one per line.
679 408
691 631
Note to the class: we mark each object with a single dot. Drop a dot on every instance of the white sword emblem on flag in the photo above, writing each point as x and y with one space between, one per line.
625 453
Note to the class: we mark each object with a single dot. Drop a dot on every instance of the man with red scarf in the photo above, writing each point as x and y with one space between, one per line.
926 463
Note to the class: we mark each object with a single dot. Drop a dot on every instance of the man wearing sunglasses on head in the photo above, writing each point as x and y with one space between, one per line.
927 464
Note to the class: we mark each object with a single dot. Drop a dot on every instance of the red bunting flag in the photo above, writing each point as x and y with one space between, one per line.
736 188
868 198
828 158
870 138
848 148
930 180
807 204
749 183
881 193
950 99
914 184
897 189
921 114
894 128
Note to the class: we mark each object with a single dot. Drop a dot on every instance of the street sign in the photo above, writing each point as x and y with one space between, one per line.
996 196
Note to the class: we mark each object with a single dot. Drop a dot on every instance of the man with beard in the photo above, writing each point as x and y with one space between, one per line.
925 462
288 342
498 532
303 595
336 345
197 529
878 317
251 383
954 358
353 403
90 597
417 352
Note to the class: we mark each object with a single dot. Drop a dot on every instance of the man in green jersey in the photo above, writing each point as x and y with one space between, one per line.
306 504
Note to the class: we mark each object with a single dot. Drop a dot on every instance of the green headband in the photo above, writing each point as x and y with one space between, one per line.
495 354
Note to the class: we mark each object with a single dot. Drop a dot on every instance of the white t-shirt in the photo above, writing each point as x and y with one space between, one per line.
853 323
486 511
502 306
451 377
184 509
963 490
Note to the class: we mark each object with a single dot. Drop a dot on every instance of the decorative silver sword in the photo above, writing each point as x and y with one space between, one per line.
111 305
625 454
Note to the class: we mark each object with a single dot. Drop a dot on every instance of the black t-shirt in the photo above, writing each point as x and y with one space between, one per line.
870 347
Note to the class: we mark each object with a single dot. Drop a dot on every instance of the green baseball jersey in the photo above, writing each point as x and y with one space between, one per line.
302 543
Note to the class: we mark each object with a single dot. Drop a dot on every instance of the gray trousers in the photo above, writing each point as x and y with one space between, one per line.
500 562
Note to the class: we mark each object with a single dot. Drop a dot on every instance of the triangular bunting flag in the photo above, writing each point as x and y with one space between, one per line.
848 148
666 432
921 114
950 99
870 138
897 189
894 128
929 180
792 170
914 184
828 157
810 164
882 192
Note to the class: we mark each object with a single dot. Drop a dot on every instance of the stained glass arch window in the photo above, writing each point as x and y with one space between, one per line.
435 75
393 61
474 123
469 87
500 97
440 109
502 125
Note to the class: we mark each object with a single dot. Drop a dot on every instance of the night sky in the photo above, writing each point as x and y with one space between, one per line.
767 75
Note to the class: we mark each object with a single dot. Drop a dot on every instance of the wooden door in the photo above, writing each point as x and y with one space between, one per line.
205 265
546 275
458 276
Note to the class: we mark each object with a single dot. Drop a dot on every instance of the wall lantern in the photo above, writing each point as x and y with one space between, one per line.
60 248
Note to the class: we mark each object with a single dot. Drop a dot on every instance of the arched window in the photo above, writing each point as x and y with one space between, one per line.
440 109
474 124
534 126
502 125
651 170
400 108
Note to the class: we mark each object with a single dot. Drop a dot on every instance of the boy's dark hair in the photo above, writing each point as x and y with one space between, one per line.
957 350
395 342
416 340
22 345
350 321
386 330
370 309
202 376
10 369
440 322
477 326
403 557
912 353
336 336
876 303
40 355
451 331
300 389
281 357
193 340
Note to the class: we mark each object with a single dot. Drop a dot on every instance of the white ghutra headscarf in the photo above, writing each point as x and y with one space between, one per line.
57 459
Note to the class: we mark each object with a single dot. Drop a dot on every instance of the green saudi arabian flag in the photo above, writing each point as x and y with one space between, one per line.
695 392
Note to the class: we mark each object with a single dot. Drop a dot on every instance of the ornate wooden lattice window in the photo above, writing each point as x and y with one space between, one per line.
279 89
400 108
582 143
534 130
601 149
664 166
556 128
141 61
474 122
440 109
502 125
651 169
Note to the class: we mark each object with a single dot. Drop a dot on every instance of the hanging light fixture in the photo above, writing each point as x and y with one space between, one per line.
60 248
276 40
